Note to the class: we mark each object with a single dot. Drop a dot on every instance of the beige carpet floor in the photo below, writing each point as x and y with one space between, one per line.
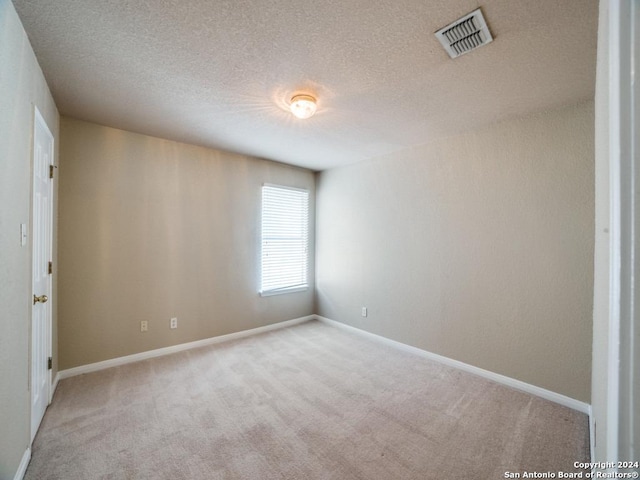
306 402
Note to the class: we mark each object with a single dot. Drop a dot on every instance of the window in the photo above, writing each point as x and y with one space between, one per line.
285 238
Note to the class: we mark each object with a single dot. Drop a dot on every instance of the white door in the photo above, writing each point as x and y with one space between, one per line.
41 313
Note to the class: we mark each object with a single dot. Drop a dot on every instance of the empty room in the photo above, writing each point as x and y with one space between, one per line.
318 239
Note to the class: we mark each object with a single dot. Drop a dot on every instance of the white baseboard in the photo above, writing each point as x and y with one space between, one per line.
114 362
496 377
24 463
54 385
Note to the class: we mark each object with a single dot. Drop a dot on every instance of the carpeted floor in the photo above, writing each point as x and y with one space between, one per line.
306 402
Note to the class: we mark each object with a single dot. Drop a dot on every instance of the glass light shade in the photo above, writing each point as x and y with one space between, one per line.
303 106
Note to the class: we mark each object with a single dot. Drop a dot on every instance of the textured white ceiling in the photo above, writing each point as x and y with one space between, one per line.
220 73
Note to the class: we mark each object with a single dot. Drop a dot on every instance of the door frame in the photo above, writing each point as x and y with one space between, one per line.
623 382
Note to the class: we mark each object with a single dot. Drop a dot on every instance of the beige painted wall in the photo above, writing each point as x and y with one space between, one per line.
22 86
477 247
152 229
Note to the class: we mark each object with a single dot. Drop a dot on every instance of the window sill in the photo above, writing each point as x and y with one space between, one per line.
281 291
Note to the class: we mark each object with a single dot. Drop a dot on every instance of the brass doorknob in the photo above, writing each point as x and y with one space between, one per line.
41 299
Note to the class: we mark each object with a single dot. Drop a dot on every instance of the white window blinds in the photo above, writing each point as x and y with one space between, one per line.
285 238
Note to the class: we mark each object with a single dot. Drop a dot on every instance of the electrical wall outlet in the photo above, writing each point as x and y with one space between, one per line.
364 311
174 323
144 326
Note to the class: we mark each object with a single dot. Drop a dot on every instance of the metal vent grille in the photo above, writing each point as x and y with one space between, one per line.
465 34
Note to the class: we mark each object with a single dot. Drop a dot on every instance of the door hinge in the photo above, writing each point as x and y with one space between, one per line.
50 363
51 168
50 268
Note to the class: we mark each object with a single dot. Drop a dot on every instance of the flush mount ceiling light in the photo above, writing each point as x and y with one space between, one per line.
303 106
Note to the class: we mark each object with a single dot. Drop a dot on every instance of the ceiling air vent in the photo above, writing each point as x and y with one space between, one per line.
465 34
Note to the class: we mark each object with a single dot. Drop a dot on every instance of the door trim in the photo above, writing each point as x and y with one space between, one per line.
623 379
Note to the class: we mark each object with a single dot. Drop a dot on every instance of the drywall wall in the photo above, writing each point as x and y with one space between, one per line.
22 86
152 229
477 247
600 373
